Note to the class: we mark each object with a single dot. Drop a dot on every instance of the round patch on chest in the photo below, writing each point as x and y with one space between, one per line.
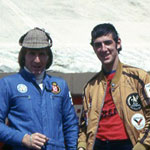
133 101
138 121
22 88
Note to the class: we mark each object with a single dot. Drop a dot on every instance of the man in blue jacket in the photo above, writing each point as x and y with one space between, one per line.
38 106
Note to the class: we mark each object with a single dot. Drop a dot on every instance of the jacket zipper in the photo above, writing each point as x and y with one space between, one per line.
99 116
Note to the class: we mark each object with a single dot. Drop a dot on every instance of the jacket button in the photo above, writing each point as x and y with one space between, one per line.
112 84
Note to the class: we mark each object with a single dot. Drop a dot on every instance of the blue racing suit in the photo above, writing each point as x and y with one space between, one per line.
29 109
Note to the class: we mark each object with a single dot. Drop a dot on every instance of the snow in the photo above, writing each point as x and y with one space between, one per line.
70 23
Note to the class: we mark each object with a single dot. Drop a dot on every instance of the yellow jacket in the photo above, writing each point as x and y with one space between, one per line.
130 89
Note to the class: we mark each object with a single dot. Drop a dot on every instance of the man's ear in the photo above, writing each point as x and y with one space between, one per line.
119 43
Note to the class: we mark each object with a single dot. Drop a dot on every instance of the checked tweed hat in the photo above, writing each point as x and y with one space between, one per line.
35 39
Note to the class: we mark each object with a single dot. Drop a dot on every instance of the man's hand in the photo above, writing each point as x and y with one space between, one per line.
34 141
139 146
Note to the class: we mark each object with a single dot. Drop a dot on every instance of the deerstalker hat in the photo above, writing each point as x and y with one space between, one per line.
35 39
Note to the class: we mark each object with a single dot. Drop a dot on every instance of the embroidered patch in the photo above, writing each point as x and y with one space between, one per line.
138 121
147 89
55 88
134 102
22 88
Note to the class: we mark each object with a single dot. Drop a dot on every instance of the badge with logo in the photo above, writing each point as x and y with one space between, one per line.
147 88
138 121
134 102
22 88
55 88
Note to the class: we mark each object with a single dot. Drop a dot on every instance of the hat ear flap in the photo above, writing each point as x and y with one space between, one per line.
48 36
21 39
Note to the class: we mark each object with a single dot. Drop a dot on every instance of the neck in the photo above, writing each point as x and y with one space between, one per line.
39 78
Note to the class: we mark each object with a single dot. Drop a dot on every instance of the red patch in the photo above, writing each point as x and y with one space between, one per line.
55 88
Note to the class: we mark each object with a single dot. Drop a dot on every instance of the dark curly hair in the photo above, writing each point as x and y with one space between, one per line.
104 29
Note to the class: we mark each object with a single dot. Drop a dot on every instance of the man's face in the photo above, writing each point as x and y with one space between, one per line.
36 60
106 49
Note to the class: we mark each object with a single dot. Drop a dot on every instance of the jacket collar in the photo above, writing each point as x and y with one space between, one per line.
117 74
31 78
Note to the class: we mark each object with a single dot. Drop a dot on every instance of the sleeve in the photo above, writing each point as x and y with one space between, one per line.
144 136
70 121
7 134
83 124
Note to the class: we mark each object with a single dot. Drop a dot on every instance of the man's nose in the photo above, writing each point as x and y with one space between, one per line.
37 59
104 47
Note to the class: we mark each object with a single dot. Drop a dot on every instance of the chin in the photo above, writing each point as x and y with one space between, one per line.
107 62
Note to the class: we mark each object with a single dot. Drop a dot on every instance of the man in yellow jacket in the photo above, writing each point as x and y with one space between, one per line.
116 102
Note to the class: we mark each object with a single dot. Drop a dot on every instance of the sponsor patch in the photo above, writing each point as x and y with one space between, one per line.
55 88
22 88
138 121
134 102
147 89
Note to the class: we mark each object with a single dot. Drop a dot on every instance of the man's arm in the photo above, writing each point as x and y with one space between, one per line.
144 92
7 134
70 121
83 123
82 131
